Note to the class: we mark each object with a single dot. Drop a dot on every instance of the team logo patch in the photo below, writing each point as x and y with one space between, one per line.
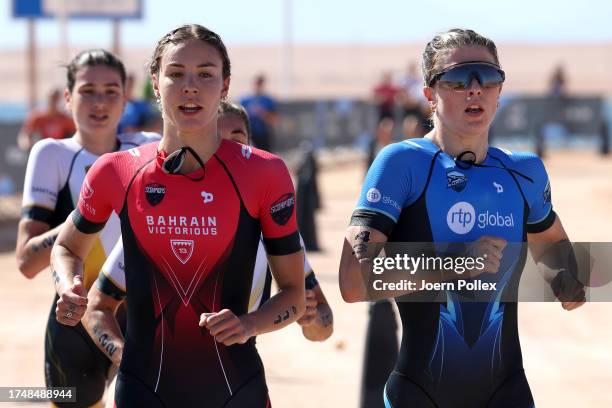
246 151
207 197
281 209
456 180
182 249
373 195
134 152
155 193
547 192
498 187
87 190
461 218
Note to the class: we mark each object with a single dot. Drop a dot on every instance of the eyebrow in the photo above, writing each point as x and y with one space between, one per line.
108 84
203 65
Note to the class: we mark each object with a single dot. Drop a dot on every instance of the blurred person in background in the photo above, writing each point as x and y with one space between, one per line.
263 112
382 137
385 95
413 103
95 95
558 83
138 113
457 353
50 123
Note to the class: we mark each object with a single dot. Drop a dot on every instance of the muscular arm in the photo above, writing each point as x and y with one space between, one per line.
551 250
281 310
101 324
357 254
320 325
289 303
34 243
67 255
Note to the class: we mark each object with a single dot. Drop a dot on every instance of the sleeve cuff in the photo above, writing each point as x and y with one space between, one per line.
311 281
373 219
283 246
84 225
106 286
37 213
543 225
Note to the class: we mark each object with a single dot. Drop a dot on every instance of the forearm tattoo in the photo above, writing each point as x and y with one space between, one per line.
327 319
362 239
45 244
108 346
55 276
285 315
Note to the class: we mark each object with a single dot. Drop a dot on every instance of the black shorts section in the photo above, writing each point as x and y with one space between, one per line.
543 225
254 393
402 392
131 392
84 225
73 360
37 214
373 219
283 246
512 393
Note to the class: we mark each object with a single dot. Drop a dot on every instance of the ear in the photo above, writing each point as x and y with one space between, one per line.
430 96
225 89
155 84
68 99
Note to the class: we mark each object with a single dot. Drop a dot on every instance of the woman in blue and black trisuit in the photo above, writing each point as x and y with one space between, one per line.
452 187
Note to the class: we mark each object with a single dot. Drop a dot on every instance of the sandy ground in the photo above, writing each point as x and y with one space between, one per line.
567 355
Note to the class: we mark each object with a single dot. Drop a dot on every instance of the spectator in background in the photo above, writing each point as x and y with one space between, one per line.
382 137
262 110
137 114
413 103
385 95
50 123
558 83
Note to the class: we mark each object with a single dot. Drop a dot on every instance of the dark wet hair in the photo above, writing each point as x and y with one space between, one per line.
92 58
188 32
444 43
229 108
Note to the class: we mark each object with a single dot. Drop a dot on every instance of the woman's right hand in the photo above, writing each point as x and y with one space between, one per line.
72 303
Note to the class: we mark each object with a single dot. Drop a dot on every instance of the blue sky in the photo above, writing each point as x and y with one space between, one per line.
339 21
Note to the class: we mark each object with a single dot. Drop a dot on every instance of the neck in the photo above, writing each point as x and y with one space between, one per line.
98 144
204 142
454 144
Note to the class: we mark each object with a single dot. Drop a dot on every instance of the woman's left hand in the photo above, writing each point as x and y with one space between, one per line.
226 327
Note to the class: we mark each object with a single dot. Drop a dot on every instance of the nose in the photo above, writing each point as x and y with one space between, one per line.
99 99
190 87
474 88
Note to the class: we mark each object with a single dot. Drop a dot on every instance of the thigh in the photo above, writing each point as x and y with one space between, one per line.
513 393
73 360
400 392
254 393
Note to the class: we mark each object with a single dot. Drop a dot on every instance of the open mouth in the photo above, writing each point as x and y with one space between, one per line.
98 117
190 108
474 110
